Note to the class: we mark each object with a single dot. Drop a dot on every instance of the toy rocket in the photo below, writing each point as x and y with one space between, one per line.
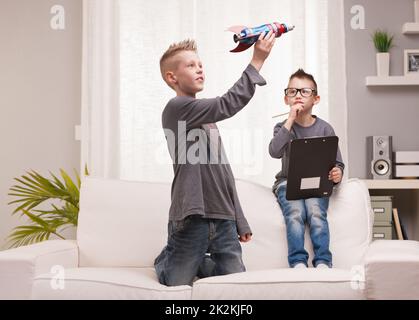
246 37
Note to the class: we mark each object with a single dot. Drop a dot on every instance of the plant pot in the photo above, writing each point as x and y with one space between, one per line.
383 64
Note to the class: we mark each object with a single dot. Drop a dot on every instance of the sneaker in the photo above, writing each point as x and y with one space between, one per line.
322 266
300 266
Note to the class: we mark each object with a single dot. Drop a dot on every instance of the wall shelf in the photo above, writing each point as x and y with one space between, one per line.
392 184
392 81
411 28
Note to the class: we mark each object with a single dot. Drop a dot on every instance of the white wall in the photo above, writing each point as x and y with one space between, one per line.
390 110
387 110
40 72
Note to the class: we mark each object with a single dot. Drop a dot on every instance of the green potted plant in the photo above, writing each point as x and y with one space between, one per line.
34 191
383 42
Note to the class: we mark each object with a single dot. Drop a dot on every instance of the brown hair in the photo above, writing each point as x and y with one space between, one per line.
301 74
175 48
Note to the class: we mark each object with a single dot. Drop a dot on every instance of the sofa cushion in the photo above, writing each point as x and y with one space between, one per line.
107 284
122 223
280 284
350 225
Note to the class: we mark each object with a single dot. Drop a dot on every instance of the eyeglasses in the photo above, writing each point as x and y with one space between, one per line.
305 92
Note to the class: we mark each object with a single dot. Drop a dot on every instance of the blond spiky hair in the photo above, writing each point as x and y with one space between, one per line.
175 48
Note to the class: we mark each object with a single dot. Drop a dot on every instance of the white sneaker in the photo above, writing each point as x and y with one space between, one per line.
322 266
300 266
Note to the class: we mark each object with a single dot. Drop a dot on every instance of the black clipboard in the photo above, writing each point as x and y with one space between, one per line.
310 161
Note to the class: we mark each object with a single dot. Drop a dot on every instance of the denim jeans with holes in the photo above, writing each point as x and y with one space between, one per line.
198 246
298 213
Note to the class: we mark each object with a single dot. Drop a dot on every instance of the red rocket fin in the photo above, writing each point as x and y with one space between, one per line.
236 29
241 47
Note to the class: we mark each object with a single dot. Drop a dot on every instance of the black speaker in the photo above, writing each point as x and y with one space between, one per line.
380 157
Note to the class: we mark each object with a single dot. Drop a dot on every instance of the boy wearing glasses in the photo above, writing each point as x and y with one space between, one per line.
301 95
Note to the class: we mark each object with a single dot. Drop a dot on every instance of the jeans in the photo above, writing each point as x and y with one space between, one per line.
297 213
186 254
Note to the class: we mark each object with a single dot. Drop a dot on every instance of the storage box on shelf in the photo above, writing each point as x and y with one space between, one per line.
383 228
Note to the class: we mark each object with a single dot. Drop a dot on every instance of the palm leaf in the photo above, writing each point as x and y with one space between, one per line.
68 214
32 190
28 205
41 189
47 186
24 235
57 181
23 190
71 187
32 186
78 179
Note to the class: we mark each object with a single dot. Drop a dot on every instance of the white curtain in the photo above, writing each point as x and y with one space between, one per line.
100 121
125 136
338 112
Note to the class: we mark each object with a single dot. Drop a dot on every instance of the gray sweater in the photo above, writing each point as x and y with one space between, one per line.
279 145
203 181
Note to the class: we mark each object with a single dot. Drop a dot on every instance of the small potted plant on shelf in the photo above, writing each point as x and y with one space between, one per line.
383 42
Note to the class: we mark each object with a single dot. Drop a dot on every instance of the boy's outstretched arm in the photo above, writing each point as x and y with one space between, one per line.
262 49
196 112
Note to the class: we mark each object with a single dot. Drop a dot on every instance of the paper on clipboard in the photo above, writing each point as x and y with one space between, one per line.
310 183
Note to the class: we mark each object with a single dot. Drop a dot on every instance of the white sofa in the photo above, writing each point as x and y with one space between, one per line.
123 226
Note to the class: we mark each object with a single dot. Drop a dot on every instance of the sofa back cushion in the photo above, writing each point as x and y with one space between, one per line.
124 224
121 223
350 225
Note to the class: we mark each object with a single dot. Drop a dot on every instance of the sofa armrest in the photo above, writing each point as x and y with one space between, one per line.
392 270
19 266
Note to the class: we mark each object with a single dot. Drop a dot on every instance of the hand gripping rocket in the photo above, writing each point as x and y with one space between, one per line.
246 37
